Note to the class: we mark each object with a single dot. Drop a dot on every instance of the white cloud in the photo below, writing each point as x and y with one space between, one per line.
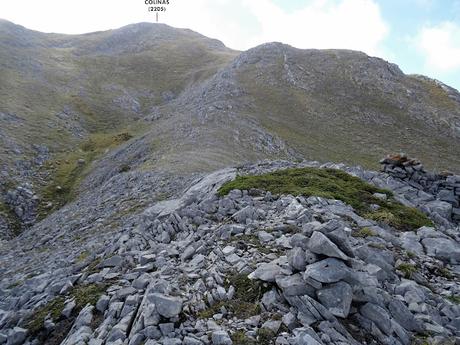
440 45
240 24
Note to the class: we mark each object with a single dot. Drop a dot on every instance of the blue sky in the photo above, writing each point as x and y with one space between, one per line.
406 20
421 36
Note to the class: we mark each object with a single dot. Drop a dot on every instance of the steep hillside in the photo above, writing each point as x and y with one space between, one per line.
79 110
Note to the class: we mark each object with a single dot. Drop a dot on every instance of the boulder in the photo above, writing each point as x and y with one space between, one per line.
221 338
166 306
266 272
320 244
296 258
377 315
443 249
327 271
337 298
17 336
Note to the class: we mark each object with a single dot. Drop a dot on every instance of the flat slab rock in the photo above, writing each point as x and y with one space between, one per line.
327 271
167 306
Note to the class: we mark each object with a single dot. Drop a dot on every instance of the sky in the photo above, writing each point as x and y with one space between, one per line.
421 36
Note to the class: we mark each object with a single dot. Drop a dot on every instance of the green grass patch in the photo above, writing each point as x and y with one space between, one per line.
70 167
240 338
83 295
54 309
11 218
334 184
82 256
407 269
454 299
364 232
245 302
251 241
265 336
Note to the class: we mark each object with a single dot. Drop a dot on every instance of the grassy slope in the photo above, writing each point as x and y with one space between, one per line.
75 72
342 119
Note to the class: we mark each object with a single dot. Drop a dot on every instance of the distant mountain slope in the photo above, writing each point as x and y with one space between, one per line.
78 110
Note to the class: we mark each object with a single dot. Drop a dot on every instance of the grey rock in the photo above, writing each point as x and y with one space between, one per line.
136 339
272 325
403 316
290 321
114 261
167 306
320 244
378 315
444 209
310 311
17 336
141 282
191 341
221 338
294 285
68 308
411 243
296 258
310 257
265 237
266 272
299 240
166 328
337 298
123 293
327 271
102 303
442 248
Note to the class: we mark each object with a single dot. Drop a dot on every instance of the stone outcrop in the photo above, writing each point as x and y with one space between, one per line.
445 187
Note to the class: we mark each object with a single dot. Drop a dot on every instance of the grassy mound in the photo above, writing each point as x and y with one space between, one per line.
334 184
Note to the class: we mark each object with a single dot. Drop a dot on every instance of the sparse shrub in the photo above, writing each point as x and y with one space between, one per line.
454 299
246 300
407 269
240 338
124 168
265 336
83 295
364 232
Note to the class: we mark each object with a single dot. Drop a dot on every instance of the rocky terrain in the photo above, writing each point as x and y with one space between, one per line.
247 267
122 223
76 110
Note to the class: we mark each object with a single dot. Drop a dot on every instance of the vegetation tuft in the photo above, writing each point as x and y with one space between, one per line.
334 184
265 336
83 295
454 299
245 303
12 219
240 338
364 232
407 269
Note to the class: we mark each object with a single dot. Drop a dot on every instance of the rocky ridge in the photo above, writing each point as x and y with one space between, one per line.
186 104
246 268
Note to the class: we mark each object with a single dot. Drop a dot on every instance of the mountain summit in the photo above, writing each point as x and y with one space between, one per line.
157 187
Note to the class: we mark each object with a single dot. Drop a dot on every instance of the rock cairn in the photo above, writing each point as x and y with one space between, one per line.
444 186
